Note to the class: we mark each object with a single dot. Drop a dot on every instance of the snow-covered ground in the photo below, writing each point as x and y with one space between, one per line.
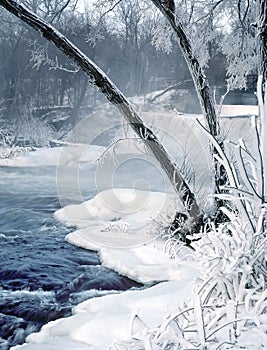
99 322
238 110
52 156
132 251
123 225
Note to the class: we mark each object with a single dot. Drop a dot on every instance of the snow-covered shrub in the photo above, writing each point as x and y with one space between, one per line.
7 152
229 305
35 131
24 134
7 147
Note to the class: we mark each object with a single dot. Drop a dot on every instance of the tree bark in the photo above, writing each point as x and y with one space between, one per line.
262 90
203 91
112 93
199 78
262 38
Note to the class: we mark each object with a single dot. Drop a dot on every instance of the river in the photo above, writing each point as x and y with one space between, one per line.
41 275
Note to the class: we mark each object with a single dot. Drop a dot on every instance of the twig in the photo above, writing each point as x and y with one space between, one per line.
172 87
59 12
210 11
109 10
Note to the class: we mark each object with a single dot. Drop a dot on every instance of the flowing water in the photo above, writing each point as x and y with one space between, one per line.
41 275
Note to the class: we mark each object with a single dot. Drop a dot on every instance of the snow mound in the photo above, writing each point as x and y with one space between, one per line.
98 322
116 218
115 204
148 263
120 225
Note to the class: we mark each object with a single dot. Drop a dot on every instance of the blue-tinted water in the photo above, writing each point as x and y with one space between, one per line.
41 275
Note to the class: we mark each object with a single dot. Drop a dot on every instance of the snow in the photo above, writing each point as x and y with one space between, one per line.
52 156
116 217
98 322
124 226
119 224
239 110
147 264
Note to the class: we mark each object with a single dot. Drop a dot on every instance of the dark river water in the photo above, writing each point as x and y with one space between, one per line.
41 275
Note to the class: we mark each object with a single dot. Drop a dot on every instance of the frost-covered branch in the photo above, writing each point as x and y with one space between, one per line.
201 85
219 108
39 57
262 89
199 78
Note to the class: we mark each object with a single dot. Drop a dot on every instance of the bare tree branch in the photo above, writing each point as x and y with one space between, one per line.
210 11
169 88
59 12
109 10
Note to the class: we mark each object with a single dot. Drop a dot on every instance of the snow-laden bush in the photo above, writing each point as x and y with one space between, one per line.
24 134
37 132
228 309
229 305
7 152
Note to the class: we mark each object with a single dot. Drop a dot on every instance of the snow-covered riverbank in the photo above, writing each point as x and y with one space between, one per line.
99 322
51 156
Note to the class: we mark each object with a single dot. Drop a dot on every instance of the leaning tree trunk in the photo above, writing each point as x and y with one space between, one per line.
167 8
262 38
199 78
98 78
262 88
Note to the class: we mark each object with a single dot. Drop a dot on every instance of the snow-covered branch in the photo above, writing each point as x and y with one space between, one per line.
199 78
